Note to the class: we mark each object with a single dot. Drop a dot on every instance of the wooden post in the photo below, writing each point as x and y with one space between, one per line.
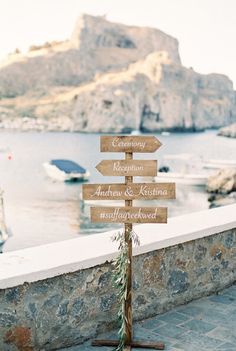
128 239
128 214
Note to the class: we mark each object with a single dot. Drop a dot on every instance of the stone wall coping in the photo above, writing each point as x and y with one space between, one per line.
46 261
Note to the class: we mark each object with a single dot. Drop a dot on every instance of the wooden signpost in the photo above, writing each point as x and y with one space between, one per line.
129 144
127 167
128 214
134 191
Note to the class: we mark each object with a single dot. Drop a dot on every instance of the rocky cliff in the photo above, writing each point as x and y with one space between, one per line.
229 131
154 94
111 78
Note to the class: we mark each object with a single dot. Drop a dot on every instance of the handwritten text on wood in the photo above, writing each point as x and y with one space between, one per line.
129 143
127 167
146 191
129 214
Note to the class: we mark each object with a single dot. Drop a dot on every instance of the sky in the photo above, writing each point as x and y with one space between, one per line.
205 29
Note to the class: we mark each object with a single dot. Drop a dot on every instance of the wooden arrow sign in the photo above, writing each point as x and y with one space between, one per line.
129 214
129 143
127 167
134 191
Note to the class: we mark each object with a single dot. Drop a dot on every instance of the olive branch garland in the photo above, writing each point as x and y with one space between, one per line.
120 279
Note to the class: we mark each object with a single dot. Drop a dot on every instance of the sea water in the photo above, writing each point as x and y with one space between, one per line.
39 210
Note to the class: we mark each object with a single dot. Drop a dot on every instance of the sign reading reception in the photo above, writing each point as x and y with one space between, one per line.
129 214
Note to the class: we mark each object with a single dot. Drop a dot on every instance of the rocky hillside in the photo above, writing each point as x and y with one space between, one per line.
154 94
111 78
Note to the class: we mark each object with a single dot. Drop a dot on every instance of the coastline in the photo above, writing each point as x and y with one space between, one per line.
41 125
32 199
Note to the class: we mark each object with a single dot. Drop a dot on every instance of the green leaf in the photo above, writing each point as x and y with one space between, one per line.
120 281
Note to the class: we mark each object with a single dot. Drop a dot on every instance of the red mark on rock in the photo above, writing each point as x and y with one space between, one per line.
20 337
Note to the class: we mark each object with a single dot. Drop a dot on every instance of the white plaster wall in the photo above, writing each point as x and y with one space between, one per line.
49 260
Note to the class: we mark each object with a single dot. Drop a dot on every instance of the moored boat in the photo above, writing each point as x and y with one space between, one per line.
182 178
135 132
66 170
185 170
217 164
165 133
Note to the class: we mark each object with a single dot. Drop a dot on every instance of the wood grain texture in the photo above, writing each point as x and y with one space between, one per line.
129 143
134 191
128 240
128 167
154 345
129 214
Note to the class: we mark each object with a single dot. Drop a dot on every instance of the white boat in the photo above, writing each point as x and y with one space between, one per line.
165 133
186 172
135 132
217 164
66 170
182 178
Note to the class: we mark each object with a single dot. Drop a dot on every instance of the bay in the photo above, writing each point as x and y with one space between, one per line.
39 210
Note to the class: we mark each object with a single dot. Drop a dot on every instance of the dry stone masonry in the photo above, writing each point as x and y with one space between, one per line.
65 310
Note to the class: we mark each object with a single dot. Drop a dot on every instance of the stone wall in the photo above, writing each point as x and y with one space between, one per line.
67 309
